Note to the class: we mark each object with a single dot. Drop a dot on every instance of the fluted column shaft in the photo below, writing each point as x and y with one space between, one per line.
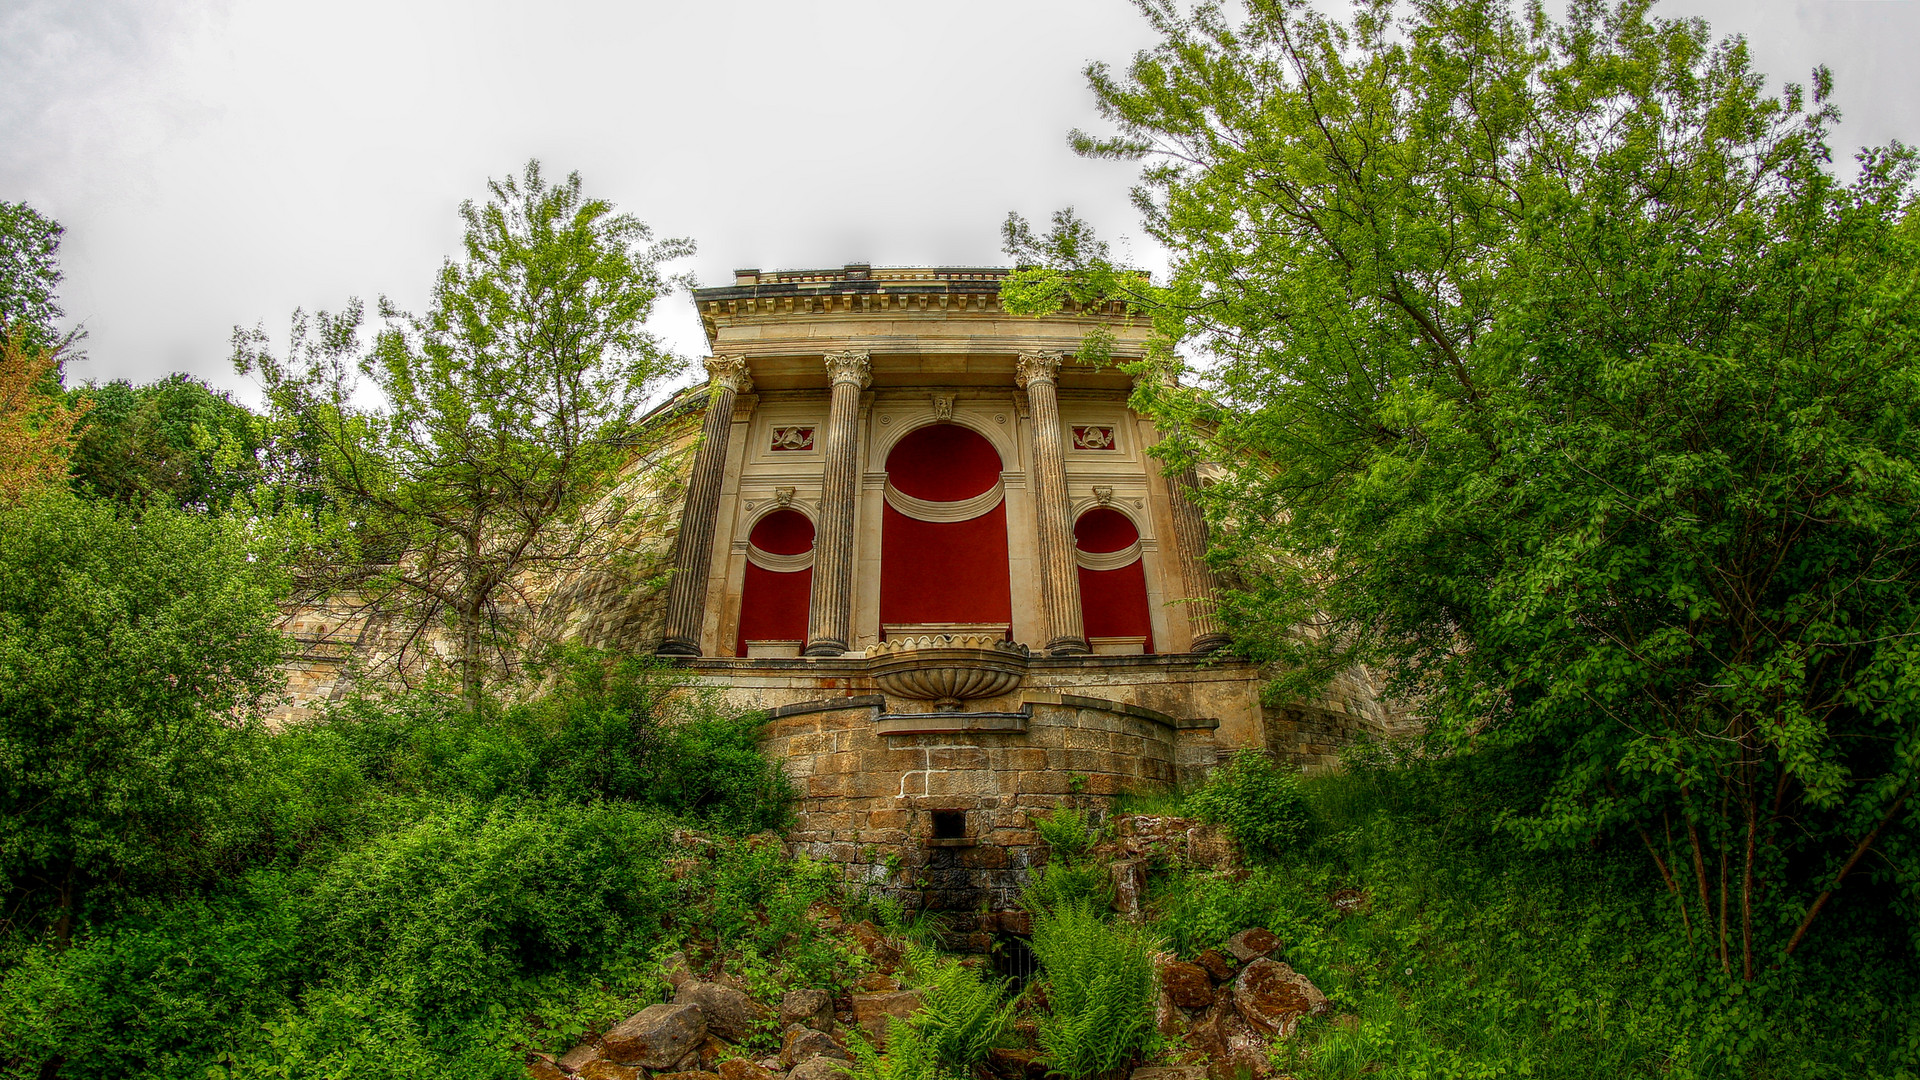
1190 536
687 592
830 608
1059 573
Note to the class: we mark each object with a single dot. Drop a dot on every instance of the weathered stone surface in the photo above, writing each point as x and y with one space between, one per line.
877 984
821 1068
542 1067
802 1043
1169 1072
712 1052
691 1074
1168 1019
878 947
574 1059
729 1013
1188 984
1234 1050
1219 967
602 1069
1273 997
742 1069
1249 945
1130 888
870 1012
656 1037
813 1008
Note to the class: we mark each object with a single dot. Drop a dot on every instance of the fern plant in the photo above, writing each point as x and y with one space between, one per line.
1100 989
960 1017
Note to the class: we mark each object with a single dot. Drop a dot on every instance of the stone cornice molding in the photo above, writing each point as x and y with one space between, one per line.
851 366
1034 367
730 372
958 510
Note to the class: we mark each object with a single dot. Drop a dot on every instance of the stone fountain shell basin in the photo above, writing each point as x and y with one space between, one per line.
945 673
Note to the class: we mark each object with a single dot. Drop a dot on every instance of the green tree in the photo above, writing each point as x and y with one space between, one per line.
1554 369
504 413
134 653
176 440
30 277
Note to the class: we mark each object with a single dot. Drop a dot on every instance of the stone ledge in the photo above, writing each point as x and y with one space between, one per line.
800 708
1193 723
1121 708
949 723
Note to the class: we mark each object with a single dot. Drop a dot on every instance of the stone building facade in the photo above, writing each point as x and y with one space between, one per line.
936 550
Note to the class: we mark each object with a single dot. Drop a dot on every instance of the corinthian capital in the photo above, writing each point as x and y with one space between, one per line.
849 367
730 372
1033 367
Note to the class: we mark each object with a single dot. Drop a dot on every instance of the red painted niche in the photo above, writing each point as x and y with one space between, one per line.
773 605
951 571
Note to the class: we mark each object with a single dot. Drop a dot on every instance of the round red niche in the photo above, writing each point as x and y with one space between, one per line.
943 463
1101 530
783 532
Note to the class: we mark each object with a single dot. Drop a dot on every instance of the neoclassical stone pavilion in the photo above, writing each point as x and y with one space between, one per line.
935 548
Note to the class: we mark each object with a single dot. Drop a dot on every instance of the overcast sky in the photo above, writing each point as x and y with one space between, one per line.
222 162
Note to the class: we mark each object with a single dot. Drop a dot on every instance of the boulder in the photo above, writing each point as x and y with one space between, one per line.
1190 986
692 1074
712 1052
804 1044
1168 1019
821 1068
1219 967
870 1012
656 1037
877 984
742 1069
730 1014
602 1069
1250 945
1234 1050
1130 888
1273 997
813 1008
573 1060
542 1067
878 947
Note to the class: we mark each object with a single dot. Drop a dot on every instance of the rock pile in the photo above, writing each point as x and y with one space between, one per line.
698 1034
1227 1004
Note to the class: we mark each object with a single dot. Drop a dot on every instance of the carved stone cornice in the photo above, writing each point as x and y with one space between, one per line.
1033 367
851 366
729 372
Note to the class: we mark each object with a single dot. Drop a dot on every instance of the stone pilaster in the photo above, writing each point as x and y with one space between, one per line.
1059 575
830 609
1190 536
687 593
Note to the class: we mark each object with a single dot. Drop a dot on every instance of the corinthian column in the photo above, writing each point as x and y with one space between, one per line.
687 593
1190 537
1059 575
830 609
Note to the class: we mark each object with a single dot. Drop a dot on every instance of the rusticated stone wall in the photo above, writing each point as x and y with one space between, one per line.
870 784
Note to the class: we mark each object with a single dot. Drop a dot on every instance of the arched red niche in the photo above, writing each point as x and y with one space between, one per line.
944 571
773 603
1113 603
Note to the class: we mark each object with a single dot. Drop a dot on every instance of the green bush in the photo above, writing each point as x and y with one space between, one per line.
1100 991
1262 804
